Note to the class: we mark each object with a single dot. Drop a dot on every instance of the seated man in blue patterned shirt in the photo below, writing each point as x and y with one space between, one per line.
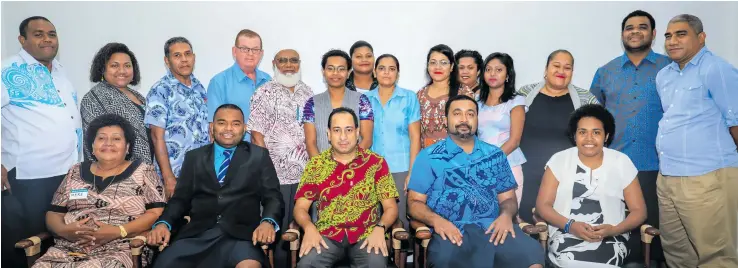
464 189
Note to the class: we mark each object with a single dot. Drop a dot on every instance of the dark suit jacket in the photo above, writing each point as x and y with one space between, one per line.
250 183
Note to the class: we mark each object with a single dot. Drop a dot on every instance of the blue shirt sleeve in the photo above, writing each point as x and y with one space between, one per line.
215 97
596 89
365 108
308 112
157 106
722 83
421 177
503 173
414 109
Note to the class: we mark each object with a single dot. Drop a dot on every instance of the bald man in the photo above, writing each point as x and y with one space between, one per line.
275 124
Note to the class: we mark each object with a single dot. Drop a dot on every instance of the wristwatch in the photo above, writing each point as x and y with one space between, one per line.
379 224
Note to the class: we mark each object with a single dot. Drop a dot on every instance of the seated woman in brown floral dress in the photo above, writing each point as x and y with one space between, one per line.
102 203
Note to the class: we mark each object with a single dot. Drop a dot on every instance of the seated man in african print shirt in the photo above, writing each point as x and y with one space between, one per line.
348 182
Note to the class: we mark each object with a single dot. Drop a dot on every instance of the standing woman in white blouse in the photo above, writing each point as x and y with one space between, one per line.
584 194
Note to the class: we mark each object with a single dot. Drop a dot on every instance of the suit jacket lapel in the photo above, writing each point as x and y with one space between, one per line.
209 162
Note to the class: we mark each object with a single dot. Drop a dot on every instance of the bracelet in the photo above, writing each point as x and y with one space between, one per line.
568 226
123 232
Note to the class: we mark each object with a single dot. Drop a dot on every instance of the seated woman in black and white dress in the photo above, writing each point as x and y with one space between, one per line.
584 194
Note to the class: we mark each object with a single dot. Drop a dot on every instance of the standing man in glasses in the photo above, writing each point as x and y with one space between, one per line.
238 83
276 124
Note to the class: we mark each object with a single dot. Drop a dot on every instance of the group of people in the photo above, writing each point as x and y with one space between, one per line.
470 154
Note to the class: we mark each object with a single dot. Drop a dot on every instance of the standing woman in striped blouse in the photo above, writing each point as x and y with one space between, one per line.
336 66
114 68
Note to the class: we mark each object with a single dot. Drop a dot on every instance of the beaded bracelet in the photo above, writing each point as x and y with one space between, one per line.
567 226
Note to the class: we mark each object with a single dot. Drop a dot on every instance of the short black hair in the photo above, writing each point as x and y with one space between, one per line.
336 53
228 106
175 40
464 53
102 57
596 111
397 62
556 52
359 44
638 13
343 110
109 120
23 28
458 98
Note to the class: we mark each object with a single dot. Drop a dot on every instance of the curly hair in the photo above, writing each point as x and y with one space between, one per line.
109 120
595 111
103 56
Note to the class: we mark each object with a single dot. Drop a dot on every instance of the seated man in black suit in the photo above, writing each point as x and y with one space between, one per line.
222 186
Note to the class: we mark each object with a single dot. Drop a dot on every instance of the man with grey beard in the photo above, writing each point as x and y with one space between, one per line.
276 124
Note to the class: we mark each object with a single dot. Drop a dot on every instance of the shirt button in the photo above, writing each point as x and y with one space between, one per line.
662 152
220 197
671 105
72 117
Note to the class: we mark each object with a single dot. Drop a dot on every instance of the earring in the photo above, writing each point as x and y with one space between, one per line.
507 79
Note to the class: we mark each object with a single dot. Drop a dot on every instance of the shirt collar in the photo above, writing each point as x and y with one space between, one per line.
694 61
240 76
220 149
55 64
174 80
651 57
398 92
360 153
454 149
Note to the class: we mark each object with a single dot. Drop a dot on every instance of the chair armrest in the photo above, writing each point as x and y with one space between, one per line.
422 232
648 232
398 232
32 245
137 243
530 229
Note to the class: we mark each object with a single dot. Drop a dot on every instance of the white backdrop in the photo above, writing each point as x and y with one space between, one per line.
528 31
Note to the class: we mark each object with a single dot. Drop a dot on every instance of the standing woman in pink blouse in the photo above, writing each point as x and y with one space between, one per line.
443 85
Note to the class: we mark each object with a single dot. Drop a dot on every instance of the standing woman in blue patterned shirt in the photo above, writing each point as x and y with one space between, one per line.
396 125
114 68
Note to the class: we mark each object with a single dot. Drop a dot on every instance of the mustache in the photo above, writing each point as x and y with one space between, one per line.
464 125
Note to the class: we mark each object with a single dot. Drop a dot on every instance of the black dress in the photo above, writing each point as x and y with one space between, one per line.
544 134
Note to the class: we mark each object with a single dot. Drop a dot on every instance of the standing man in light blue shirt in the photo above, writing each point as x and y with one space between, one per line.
396 135
238 83
696 144
176 112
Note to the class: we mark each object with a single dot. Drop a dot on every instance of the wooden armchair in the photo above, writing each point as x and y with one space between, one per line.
398 234
32 247
648 232
423 235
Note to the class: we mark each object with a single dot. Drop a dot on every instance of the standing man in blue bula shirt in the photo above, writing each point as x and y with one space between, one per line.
626 86
238 83
696 144
464 189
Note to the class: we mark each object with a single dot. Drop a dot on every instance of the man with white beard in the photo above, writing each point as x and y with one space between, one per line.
276 124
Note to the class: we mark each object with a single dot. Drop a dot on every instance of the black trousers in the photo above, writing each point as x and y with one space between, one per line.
282 248
210 249
647 180
24 215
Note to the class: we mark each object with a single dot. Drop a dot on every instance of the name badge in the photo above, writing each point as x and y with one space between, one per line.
78 194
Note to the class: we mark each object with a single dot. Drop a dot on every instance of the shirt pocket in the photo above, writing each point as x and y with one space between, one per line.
695 91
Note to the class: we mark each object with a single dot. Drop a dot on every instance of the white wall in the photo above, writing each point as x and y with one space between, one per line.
526 30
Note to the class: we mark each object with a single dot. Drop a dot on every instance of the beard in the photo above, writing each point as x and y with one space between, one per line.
287 80
642 47
455 131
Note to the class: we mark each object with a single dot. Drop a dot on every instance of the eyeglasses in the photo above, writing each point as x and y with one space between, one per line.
250 50
443 63
283 61
332 69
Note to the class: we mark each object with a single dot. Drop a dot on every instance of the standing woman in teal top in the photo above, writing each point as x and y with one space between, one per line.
396 135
